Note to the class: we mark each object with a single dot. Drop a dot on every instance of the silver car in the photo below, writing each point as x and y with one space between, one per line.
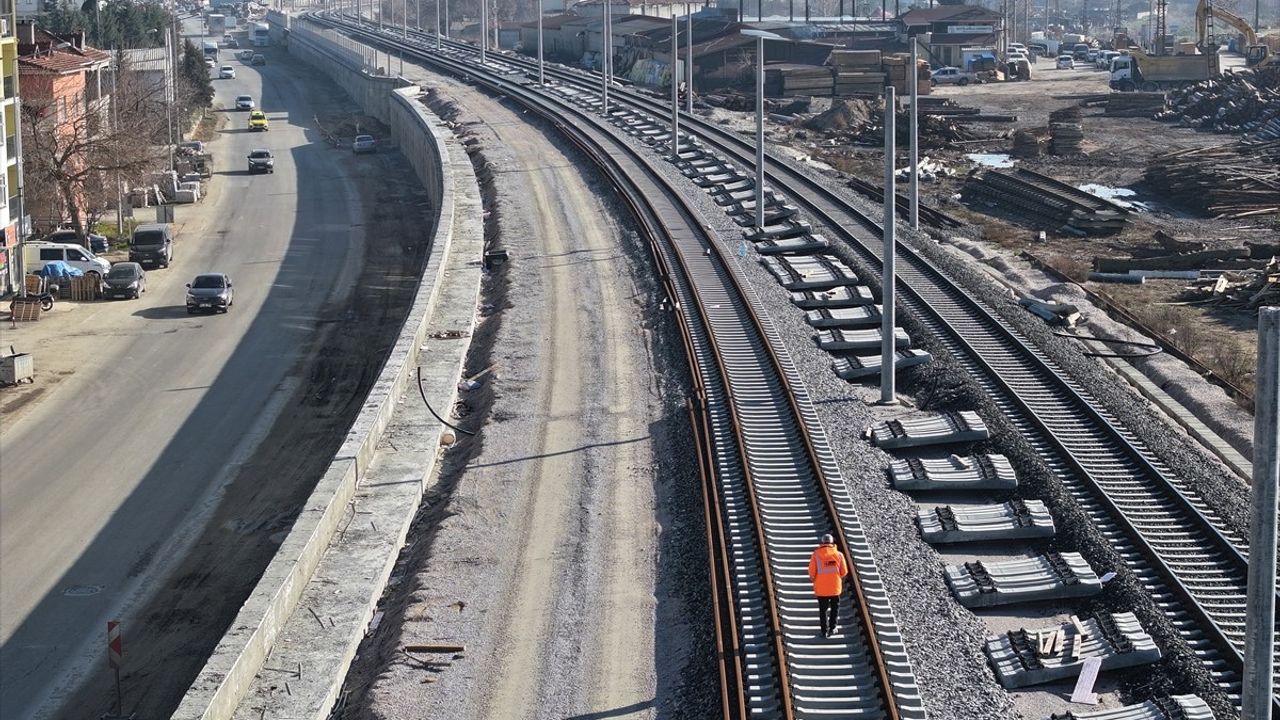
210 292
364 144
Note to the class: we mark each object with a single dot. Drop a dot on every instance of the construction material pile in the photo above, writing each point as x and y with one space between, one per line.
861 122
1134 104
1045 202
898 68
1239 102
1238 290
1028 143
788 80
1066 134
859 72
1232 181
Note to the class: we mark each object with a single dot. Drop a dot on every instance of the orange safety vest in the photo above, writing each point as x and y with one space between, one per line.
827 569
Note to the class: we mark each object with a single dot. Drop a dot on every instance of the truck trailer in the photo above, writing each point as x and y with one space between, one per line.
217 24
1136 70
260 34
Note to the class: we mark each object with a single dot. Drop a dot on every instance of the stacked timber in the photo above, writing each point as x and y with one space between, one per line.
1027 144
1046 202
897 67
1134 104
857 72
790 80
1066 134
1233 181
1237 102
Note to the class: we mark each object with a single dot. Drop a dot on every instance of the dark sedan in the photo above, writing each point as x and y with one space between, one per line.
124 280
209 292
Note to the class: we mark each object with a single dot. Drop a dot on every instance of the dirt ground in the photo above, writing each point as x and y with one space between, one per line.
191 610
1116 154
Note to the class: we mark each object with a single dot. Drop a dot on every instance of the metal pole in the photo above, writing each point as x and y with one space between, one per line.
542 80
913 83
888 394
604 61
446 16
760 133
438 26
675 87
1259 637
417 15
484 24
688 66
405 16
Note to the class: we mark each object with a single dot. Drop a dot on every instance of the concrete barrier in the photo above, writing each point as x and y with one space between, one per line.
442 165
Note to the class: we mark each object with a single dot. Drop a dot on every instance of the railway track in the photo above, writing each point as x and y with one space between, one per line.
770 479
1193 567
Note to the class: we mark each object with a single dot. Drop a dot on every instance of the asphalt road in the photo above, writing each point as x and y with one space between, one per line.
105 479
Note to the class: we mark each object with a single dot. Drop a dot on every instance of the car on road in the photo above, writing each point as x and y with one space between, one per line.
951 76
210 292
261 160
244 102
124 280
1091 55
364 144
1066 62
151 244
210 63
245 55
1015 55
1104 59
258 121
227 73
258 59
230 41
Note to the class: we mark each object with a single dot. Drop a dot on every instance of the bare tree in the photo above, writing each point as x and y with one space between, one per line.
72 145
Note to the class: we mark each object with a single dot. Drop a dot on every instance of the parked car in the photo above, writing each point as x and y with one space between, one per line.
1013 55
951 76
124 280
97 243
151 244
261 160
1104 59
244 102
364 144
227 73
209 292
258 59
38 254
1091 55
258 121
1066 62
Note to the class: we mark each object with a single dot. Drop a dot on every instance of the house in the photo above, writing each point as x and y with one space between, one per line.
948 29
651 8
62 83
12 213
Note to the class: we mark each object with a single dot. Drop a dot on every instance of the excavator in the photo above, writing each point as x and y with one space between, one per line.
1255 53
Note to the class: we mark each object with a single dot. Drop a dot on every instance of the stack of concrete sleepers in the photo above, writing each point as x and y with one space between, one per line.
979 472
1022 658
930 429
1173 707
857 367
1052 576
1012 520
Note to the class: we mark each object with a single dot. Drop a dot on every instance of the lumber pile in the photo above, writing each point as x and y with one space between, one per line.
861 121
1066 134
789 80
1134 104
1241 291
898 67
1237 102
1232 181
1045 202
858 72
1027 144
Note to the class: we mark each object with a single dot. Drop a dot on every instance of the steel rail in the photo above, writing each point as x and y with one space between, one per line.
799 420
1157 560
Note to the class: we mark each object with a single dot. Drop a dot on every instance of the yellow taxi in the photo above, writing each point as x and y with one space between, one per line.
258 121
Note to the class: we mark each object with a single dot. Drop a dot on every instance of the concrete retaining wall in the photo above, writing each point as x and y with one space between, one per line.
240 654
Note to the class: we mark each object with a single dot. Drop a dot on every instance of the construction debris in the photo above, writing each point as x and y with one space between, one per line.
1028 143
1232 181
1134 104
1066 133
1046 202
1236 102
861 121
1242 291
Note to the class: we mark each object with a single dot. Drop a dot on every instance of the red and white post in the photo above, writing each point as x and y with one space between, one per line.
115 658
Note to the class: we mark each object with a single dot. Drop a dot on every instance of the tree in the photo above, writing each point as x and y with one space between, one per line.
72 147
194 82
115 24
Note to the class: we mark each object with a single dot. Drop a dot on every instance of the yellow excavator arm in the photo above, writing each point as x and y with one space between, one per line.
1240 24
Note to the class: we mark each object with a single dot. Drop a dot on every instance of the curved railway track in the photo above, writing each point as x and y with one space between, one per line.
1194 568
771 481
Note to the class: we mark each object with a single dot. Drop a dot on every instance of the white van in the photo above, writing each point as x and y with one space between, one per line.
36 255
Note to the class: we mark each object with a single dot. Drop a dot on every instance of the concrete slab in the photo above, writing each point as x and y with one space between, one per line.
859 367
859 341
1183 707
846 296
844 318
1024 657
798 245
978 472
1052 576
1012 520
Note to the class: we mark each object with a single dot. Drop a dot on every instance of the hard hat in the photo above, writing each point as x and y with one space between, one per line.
828 540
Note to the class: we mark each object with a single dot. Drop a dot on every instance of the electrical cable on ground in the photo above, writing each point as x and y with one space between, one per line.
1152 348
434 414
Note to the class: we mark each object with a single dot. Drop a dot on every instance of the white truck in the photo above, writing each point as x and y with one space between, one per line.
260 34
217 24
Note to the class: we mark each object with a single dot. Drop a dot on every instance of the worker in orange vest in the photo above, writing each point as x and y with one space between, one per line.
827 569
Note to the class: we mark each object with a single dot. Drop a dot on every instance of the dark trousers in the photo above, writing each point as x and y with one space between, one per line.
828 610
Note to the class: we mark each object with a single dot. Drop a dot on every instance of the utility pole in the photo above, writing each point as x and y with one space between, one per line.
913 83
1259 634
688 67
438 41
760 132
484 23
888 349
675 87
542 80
604 60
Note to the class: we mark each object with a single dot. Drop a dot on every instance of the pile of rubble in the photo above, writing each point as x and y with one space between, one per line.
1066 133
1239 290
1232 181
1028 143
861 122
1238 102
